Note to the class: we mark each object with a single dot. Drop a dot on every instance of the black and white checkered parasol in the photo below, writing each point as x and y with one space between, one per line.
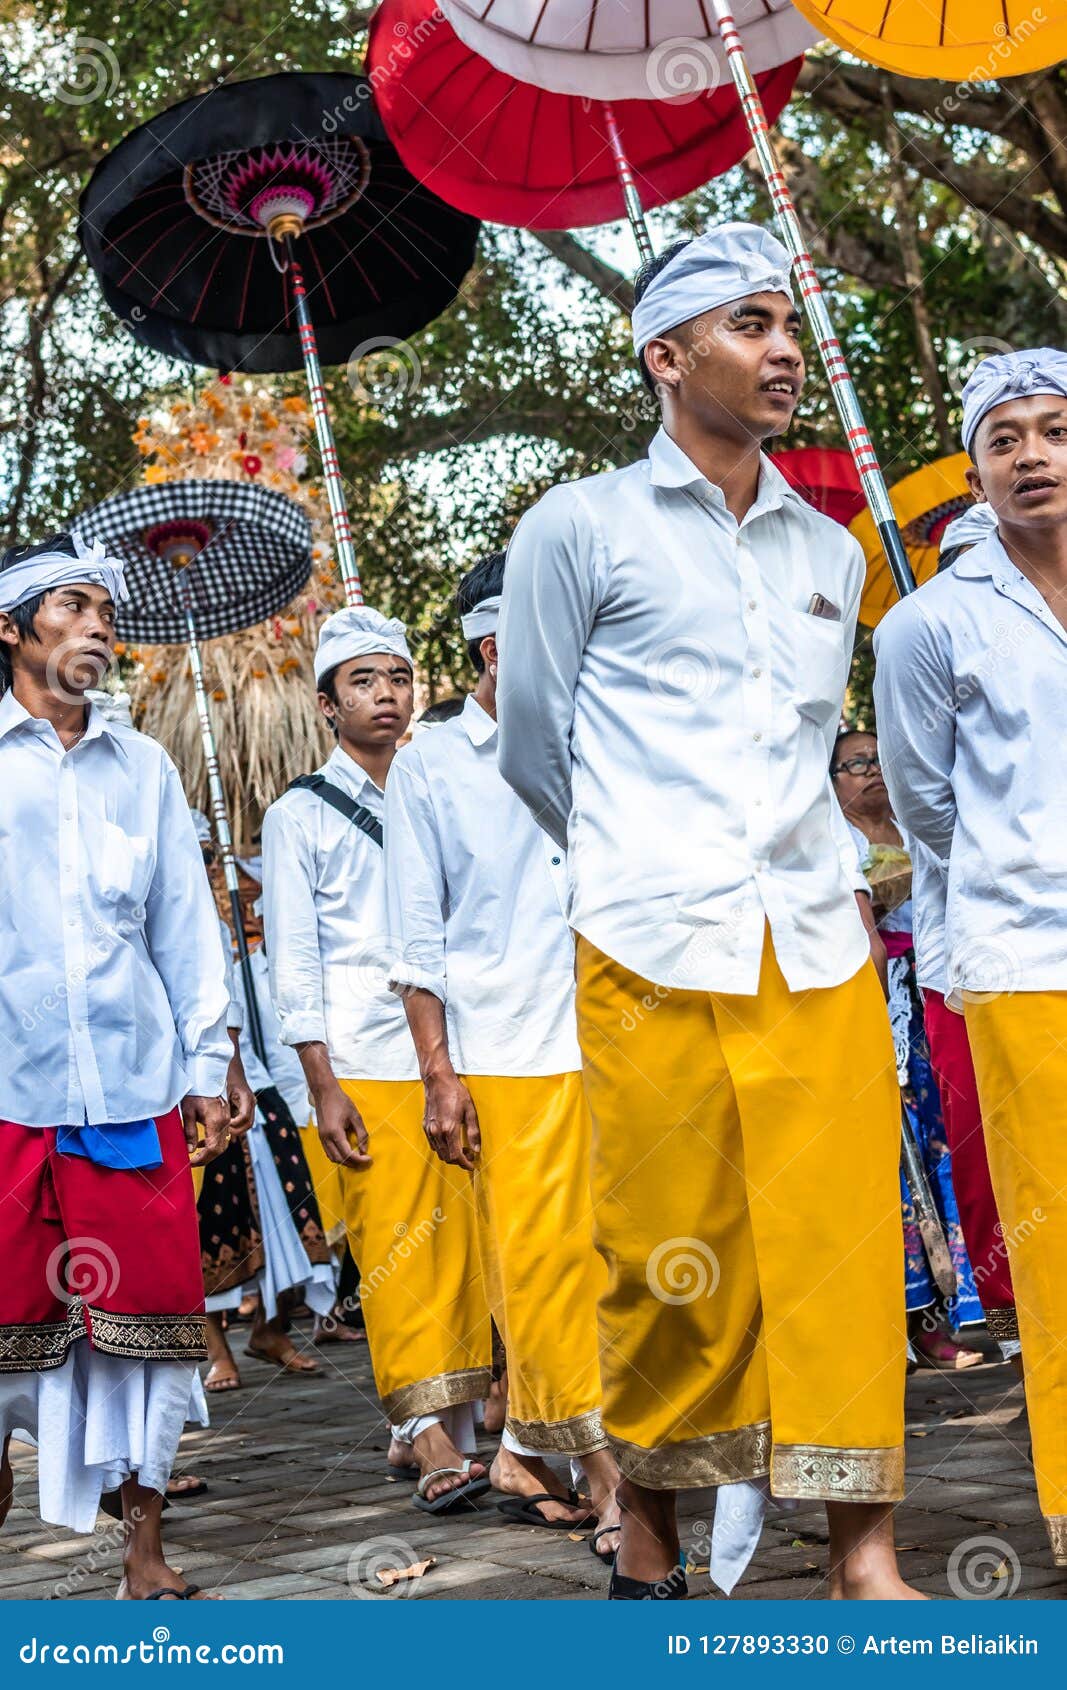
232 552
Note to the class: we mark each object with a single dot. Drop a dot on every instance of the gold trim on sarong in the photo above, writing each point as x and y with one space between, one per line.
580 1435
148 1337
33 1347
429 1396
837 1475
1003 1324
720 1459
1057 1536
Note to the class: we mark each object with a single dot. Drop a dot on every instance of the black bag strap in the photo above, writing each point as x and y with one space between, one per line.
358 814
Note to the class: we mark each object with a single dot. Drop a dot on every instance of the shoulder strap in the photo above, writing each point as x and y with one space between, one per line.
358 814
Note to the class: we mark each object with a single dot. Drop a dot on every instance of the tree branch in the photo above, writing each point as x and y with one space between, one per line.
604 277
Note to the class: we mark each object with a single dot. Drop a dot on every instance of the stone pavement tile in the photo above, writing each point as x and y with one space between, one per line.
291 1587
1002 1505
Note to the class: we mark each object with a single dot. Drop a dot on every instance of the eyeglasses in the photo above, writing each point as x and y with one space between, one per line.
857 766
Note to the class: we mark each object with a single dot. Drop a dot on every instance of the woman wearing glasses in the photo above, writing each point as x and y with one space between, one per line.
885 856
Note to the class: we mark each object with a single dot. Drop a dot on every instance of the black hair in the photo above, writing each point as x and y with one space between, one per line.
643 280
442 710
849 733
24 615
484 581
947 559
328 685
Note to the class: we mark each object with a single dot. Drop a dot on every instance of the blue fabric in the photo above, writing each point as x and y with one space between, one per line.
923 1104
128 1144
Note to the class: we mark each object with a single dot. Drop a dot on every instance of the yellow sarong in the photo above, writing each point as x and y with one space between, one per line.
541 1269
745 1186
1019 1045
412 1230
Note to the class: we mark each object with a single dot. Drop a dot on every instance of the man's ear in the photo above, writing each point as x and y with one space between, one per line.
327 706
662 361
488 650
974 482
9 634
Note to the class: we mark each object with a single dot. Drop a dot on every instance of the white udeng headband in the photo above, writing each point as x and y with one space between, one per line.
482 619
41 574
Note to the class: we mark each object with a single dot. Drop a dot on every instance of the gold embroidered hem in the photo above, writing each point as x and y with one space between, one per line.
429 1396
837 1475
1003 1324
720 1459
1057 1536
35 1347
580 1435
148 1337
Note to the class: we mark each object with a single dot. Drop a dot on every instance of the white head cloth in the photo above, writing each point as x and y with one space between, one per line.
976 523
1011 375
482 619
112 706
356 633
201 826
726 264
40 574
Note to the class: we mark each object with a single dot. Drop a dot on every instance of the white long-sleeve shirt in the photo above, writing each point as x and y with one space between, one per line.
971 694
112 987
475 894
667 706
326 932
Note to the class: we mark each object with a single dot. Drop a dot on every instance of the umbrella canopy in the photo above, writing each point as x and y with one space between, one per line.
628 49
959 40
513 153
175 223
925 503
232 553
827 478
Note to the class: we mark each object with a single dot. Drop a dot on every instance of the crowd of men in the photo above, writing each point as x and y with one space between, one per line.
582 981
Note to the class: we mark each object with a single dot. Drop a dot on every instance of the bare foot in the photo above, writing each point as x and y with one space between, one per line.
863 1557
267 1341
648 1548
434 1449
496 1406
247 1307
528 1475
222 1376
7 1483
142 1577
184 1484
328 1329
603 1478
401 1455
938 1350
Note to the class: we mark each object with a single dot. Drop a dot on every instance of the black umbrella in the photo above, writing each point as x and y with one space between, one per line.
194 221
205 558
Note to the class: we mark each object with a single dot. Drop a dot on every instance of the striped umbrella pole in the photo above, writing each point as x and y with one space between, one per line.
630 196
331 469
845 396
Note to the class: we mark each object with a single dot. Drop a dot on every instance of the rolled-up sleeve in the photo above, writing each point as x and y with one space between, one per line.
914 698
414 880
291 929
182 932
551 595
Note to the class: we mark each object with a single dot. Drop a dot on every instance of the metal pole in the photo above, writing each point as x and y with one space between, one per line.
331 471
223 835
833 358
630 196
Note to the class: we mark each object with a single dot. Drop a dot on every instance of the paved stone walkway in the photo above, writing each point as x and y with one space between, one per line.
301 1506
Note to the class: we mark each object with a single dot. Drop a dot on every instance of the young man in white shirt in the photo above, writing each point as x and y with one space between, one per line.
410 1220
113 1071
485 967
675 642
971 691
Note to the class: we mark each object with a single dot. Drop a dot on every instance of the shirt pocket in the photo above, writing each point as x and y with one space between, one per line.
120 864
819 665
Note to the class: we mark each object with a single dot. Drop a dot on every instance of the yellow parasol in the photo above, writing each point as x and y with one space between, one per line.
924 503
956 40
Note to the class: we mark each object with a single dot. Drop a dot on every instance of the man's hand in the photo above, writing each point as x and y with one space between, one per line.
212 1115
239 1097
338 1118
451 1120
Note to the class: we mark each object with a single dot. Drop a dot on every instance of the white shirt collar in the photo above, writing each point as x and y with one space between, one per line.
477 723
669 466
14 715
341 766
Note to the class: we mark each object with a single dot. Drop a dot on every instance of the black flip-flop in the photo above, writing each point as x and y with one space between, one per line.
523 1510
673 1588
199 1489
411 1472
605 1556
176 1595
449 1501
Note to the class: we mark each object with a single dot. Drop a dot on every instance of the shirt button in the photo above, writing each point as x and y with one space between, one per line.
757 738
756 673
752 604
556 861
